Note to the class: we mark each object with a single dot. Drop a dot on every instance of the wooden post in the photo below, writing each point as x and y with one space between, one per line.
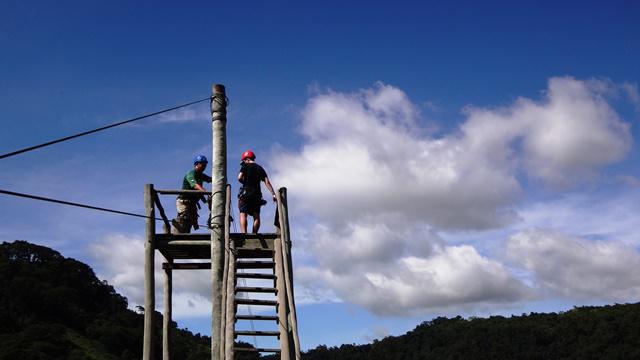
288 268
218 184
230 307
282 299
229 289
149 281
225 277
166 320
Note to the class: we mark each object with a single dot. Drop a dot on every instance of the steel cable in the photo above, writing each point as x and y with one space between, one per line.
34 147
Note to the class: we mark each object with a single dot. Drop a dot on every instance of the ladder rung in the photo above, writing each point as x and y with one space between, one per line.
254 264
256 289
256 302
257 333
260 236
257 317
252 349
255 276
244 253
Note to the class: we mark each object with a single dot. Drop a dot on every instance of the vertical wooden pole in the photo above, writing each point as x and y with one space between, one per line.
219 182
229 289
230 309
288 269
282 300
149 281
226 319
166 321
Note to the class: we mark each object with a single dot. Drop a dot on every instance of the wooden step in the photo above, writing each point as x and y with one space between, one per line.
259 236
245 253
255 276
254 264
256 302
252 349
253 241
200 238
257 333
256 289
257 317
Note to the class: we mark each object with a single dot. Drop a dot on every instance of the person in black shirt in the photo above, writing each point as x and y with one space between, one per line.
250 197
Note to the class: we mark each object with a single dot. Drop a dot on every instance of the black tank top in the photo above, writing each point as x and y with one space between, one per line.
253 174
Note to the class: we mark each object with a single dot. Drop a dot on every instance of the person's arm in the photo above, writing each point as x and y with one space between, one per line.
267 183
194 184
241 173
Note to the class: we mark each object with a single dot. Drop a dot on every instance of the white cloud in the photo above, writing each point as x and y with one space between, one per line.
578 268
594 216
120 261
380 188
452 276
191 305
365 151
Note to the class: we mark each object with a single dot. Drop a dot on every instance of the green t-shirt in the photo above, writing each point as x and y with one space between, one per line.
192 178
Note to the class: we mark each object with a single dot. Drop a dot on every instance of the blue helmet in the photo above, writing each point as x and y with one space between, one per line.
200 159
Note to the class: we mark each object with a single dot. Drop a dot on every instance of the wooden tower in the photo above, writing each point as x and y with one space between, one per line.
264 259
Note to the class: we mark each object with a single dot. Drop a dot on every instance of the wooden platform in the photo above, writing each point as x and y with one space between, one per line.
198 245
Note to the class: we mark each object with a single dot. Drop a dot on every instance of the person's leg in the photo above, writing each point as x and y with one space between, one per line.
181 222
193 216
243 222
256 222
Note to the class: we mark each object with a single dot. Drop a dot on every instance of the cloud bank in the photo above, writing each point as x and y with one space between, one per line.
576 267
121 260
380 188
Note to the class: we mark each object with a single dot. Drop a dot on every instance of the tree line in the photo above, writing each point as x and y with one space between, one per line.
52 307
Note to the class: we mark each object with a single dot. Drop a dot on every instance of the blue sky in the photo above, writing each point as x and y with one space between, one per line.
442 159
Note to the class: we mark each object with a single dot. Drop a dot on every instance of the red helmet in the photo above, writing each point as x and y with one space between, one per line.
248 154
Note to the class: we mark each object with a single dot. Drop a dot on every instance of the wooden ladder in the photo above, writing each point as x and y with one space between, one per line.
255 262
258 272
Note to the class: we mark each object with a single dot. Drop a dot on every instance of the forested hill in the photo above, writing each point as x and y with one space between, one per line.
52 307
609 332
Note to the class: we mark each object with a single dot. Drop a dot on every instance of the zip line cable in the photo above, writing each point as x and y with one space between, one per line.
41 198
99 129
34 197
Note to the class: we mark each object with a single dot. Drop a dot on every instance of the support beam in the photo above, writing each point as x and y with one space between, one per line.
218 185
149 281
166 321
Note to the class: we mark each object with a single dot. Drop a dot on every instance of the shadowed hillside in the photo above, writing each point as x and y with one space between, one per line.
609 332
52 307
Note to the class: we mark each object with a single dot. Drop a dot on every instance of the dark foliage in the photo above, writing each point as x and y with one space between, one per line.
52 307
609 332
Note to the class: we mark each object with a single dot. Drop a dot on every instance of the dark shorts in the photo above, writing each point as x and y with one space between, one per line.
250 205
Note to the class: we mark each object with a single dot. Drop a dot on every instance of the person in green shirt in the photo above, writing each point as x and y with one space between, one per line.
187 204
